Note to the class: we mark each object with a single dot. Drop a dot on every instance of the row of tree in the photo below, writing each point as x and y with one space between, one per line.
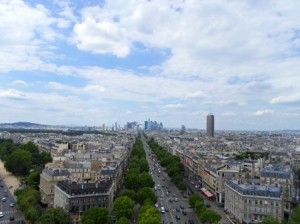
139 185
28 202
205 215
172 163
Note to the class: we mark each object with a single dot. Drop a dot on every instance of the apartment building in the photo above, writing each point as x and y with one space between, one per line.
77 197
225 174
281 176
250 203
48 179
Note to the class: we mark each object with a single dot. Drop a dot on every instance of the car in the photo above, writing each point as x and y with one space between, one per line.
167 210
178 217
11 205
1 215
175 199
156 205
207 205
182 206
191 221
171 200
177 210
4 199
184 212
11 218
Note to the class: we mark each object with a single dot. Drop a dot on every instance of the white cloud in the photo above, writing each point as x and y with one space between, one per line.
294 98
21 83
12 94
173 106
101 38
263 112
195 95
229 114
291 114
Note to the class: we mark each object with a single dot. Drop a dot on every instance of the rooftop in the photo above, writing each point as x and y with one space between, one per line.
271 191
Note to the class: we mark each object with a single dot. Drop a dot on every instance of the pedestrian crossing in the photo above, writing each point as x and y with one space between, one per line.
9 212
186 209
4 221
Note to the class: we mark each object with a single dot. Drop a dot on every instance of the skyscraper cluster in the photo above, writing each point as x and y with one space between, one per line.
153 126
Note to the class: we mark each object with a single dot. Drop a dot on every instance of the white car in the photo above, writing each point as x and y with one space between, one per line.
1 215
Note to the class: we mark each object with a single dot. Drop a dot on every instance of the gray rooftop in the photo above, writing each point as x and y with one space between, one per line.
256 190
275 171
56 172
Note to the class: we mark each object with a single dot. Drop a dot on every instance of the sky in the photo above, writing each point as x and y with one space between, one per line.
93 62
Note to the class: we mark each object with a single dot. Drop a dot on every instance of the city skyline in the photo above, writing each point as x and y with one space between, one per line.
94 62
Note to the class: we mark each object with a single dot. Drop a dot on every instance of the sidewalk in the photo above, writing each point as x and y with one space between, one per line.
11 181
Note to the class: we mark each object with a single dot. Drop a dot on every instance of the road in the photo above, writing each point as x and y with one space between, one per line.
8 211
169 196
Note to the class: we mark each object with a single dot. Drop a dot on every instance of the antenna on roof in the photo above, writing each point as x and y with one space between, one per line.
210 109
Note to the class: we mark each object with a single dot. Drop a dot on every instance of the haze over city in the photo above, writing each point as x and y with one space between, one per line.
93 62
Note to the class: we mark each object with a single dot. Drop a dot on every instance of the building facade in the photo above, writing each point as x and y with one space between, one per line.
77 197
48 179
250 203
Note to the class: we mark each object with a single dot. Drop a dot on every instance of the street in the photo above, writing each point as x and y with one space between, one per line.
8 206
169 197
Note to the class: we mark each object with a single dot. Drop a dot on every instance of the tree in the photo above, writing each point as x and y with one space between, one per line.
95 215
270 220
55 215
209 215
130 193
27 198
146 180
146 193
296 215
34 150
193 199
32 214
33 179
123 220
148 214
44 157
144 166
132 182
19 162
123 207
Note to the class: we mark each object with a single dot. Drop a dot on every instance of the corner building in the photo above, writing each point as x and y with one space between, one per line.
250 204
76 198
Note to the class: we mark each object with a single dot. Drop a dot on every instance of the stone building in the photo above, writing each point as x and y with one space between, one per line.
48 179
77 197
250 203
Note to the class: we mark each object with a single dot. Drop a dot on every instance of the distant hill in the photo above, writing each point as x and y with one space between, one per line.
21 125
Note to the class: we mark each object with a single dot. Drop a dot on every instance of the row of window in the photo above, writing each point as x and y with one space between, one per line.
260 202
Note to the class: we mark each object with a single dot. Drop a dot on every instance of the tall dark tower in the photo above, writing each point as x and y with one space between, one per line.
210 125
